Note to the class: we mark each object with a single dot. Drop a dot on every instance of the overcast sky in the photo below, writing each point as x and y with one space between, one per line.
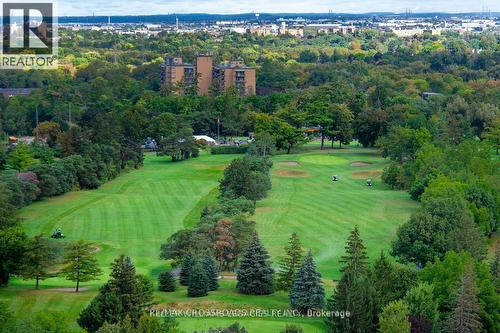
146 7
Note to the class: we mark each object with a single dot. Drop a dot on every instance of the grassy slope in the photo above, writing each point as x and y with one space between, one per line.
305 200
135 213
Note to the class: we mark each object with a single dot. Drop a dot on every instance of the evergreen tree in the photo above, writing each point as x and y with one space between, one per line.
211 271
467 237
187 264
382 279
307 292
390 282
125 294
170 325
38 260
105 307
166 282
394 318
131 288
198 281
80 264
495 268
255 275
464 317
292 329
290 264
353 292
124 281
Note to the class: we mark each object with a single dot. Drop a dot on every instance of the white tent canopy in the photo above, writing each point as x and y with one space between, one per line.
206 138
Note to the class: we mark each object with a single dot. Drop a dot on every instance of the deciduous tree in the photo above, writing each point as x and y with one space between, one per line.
80 264
38 260
394 318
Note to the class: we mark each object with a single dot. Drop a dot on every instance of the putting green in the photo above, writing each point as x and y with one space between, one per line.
323 159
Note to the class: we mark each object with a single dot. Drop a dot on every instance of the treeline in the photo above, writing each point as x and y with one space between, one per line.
454 177
457 293
57 161
224 232
378 88
225 228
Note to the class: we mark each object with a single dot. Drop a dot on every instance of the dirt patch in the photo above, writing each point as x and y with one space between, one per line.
289 163
360 164
291 173
264 209
366 174
68 290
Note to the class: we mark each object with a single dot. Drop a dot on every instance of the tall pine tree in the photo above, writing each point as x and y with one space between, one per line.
290 264
127 285
353 292
187 264
255 274
125 294
464 317
198 281
105 307
307 292
211 271
389 281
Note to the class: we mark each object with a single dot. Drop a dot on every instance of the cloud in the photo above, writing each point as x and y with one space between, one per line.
134 7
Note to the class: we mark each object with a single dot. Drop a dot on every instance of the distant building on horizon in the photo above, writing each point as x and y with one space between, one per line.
175 72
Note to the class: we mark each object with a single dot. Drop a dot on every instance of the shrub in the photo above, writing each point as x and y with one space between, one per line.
166 282
219 150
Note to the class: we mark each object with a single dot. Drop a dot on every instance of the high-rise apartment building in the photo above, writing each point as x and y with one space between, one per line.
235 74
174 73
204 69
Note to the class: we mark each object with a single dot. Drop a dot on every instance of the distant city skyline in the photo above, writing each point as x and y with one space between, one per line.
155 7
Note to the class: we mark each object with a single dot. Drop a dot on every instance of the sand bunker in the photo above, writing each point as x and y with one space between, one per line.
366 174
291 173
360 164
289 163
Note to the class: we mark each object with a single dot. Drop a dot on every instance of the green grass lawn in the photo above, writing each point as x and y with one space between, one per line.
305 200
135 213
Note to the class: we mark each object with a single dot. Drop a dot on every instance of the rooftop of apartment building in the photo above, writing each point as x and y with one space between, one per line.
176 61
233 64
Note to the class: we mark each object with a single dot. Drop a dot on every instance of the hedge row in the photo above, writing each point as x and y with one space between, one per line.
219 150
66 174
